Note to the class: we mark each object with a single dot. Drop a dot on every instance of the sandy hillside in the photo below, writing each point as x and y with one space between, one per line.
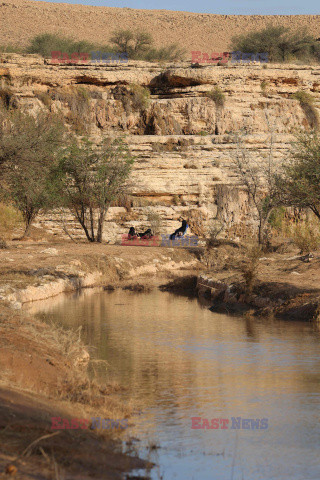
21 19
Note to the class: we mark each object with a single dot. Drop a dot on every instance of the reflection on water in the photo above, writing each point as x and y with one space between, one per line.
183 361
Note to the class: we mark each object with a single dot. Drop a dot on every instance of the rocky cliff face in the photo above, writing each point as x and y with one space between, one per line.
183 142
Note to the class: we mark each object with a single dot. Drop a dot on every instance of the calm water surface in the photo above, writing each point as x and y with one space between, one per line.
179 360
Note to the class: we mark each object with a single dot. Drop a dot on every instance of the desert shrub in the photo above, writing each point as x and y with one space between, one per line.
169 53
29 149
307 104
133 43
303 97
140 97
10 49
44 97
46 43
136 98
138 45
259 179
83 94
299 180
214 230
277 218
10 220
155 221
280 43
315 50
250 267
217 96
210 256
305 235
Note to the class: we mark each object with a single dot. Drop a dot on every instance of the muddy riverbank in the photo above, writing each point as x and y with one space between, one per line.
284 286
44 370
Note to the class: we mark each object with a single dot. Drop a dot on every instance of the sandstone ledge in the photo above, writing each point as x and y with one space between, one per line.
45 273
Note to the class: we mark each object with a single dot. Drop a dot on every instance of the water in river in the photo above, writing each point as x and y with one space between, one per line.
182 361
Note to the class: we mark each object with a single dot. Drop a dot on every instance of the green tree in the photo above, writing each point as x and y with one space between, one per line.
279 42
259 178
123 40
29 152
299 184
92 178
135 44
139 45
46 43
143 42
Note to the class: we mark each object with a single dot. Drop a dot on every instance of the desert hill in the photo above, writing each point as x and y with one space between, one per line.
21 20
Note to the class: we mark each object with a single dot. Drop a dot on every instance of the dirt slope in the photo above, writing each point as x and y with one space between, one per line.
20 20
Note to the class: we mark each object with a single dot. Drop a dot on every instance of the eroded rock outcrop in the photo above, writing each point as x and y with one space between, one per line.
183 142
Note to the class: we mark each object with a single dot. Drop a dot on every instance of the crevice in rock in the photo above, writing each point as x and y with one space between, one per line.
164 82
86 80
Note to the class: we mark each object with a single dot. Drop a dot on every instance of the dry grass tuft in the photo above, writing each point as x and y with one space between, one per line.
10 221
217 96
307 104
250 267
305 235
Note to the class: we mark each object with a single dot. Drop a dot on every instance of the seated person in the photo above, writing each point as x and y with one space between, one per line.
132 233
180 232
146 234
